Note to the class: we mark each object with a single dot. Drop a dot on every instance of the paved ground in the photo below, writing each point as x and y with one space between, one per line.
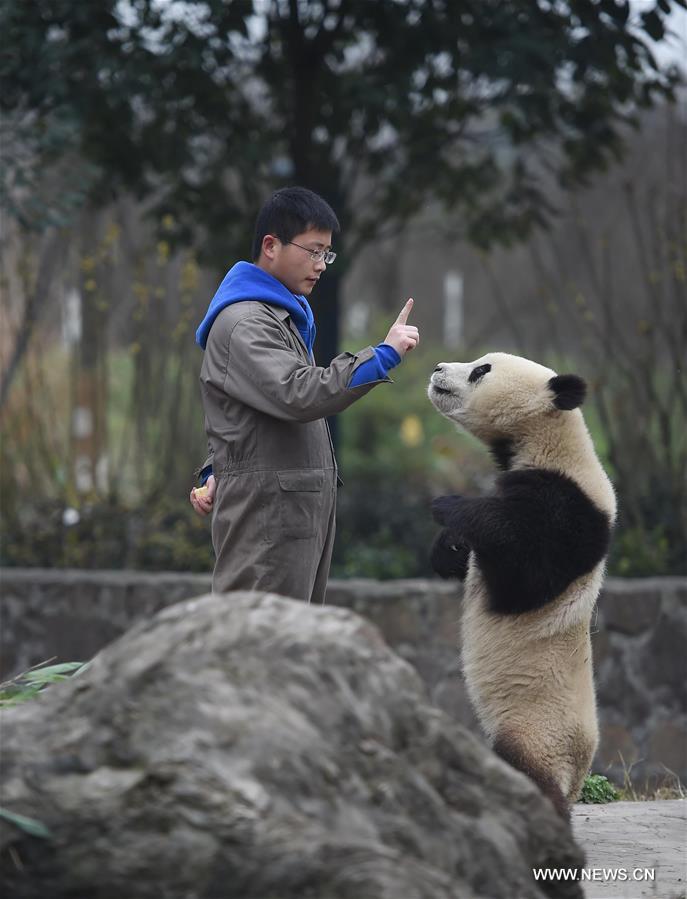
633 835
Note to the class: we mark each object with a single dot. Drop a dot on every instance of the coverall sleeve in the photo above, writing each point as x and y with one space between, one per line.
377 368
266 373
204 471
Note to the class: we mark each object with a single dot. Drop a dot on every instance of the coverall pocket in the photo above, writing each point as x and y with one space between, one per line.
300 503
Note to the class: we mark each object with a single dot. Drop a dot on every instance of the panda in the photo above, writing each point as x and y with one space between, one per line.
532 555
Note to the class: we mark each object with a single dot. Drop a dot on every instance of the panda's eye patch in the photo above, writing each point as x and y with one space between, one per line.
478 372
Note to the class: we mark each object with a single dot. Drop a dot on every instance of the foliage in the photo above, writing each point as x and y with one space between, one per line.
163 535
197 109
597 788
30 683
619 297
381 107
642 552
396 454
139 388
418 94
87 82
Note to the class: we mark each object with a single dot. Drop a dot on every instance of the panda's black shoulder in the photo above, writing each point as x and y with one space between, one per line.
541 482
553 533
531 478
554 496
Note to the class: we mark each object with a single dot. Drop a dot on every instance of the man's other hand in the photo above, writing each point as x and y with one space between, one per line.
202 498
402 336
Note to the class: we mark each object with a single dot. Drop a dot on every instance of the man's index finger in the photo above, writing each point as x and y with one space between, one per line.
405 312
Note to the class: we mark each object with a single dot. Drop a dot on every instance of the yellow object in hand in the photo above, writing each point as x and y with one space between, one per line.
202 491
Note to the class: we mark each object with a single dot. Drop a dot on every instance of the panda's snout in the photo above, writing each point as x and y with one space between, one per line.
437 382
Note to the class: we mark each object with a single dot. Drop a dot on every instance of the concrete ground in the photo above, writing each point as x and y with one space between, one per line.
631 836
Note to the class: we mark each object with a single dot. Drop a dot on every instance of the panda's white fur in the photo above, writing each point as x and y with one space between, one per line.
529 673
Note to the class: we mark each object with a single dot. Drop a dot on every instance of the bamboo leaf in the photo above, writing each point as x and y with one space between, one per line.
28 825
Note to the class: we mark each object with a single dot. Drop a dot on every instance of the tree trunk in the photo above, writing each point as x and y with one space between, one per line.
51 258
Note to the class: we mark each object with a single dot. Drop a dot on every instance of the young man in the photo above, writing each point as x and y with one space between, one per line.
271 474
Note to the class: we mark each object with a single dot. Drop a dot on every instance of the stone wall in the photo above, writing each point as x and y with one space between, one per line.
639 640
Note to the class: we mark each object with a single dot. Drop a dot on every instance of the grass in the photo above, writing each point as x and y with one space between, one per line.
598 789
670 787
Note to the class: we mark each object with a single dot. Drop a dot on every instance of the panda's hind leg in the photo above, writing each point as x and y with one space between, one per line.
583 749
511 750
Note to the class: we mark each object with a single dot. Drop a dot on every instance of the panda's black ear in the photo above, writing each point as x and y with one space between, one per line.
569 391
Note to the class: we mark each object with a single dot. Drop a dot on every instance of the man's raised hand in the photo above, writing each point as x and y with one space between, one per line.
402 336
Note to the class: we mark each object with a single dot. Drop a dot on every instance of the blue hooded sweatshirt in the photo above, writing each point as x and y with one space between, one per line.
245 281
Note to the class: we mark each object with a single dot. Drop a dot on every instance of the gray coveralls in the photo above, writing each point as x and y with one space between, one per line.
265 405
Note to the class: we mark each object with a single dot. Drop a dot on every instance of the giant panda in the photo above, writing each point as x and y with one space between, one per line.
532 554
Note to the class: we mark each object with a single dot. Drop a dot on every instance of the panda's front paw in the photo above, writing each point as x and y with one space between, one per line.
444 507
449 555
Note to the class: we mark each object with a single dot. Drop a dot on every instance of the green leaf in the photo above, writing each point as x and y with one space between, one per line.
28 825
15 693
52 671
28 684
40 679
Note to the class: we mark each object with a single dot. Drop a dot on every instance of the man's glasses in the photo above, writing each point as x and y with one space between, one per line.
316 255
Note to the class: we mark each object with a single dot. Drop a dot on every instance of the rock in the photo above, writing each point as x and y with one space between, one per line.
663 660
252 747
617 749
646 840
668 747
632 610
451 696
601 646
619 689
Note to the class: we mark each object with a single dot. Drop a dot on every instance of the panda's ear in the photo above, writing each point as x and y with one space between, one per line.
569 391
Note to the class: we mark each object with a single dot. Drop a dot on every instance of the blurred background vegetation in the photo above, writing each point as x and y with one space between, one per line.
520 169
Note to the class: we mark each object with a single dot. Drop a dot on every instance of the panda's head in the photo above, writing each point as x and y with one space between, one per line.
502 396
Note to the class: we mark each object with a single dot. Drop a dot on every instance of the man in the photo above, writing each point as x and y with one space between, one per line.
271 474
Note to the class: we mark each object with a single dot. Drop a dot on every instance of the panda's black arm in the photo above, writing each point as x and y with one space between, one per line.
514 575
449 555
479 523
470 518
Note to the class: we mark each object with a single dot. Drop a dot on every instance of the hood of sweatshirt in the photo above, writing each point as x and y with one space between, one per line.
245 281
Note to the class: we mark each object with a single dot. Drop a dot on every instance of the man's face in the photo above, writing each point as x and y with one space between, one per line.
292 265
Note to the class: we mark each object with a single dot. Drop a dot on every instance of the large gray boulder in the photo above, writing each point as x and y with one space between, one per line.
245 746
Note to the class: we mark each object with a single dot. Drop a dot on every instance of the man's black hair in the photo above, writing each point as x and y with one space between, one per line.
289 212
